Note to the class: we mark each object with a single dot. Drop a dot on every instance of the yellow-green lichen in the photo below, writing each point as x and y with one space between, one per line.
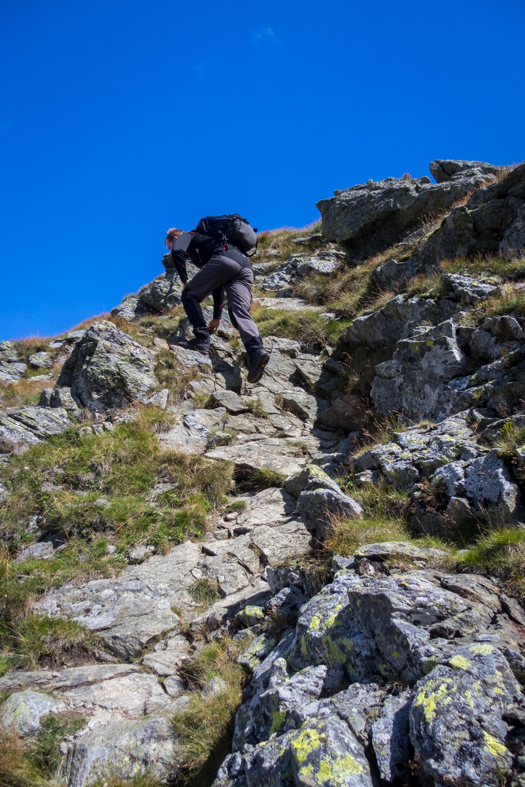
429 699
305 743
481 650
468 697
315 623
278 719
493 745
460 662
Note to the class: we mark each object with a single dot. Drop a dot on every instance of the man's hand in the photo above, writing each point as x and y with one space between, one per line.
214 324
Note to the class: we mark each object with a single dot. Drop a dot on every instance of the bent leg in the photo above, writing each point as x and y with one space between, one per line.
215 273
239 291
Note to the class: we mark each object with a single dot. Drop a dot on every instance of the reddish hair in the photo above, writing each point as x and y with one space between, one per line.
174 233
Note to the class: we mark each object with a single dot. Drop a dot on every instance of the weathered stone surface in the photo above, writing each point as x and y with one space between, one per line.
456 723
345 413
414 381
465 289
444 170
11 368
62 680
124 749
488 484
276 454
491 222
23 711
30 425
390 737
370 217
58 397
320 506
312 477
108 368
192 434
230 400
131 610
168 655
42 551
125 697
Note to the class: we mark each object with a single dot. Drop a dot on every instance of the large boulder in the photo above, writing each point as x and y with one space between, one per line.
370 217
108 368
444 170
492 222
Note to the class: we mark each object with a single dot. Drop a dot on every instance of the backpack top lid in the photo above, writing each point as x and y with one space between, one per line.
233 228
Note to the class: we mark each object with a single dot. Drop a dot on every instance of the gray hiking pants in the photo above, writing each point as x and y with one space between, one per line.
233 271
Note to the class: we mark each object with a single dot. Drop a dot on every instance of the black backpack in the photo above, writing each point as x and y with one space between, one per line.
234 229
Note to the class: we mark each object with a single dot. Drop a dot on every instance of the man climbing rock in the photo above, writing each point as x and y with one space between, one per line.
222 267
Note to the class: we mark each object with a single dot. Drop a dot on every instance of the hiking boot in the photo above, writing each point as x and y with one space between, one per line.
197 344
256 366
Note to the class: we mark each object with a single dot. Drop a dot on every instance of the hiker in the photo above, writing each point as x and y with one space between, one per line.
222 266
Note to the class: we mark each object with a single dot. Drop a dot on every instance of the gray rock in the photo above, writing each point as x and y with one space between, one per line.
42 551
370 217
444 170
345 413
131 610
320 506
41 360
414 381
230 400
390 737
58 397
491 222
456 723
167 656
62 680
124 697
11 368
214 687
465 289
312 477
22 712
29 425
108 368
488 484
124 749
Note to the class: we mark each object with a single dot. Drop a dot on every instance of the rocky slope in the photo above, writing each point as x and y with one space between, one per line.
394 663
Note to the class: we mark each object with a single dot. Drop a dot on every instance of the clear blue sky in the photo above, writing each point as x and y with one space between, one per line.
120 118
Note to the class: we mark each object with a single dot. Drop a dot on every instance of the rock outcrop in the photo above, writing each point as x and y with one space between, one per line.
370 217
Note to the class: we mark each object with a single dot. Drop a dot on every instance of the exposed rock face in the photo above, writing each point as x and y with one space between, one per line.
11 368
158 297
29 425
370 217
108 368
492 222
445 637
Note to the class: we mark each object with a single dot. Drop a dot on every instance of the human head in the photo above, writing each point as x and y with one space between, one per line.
171 235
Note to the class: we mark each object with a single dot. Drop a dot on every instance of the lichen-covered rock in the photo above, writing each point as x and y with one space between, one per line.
23 711
11 368
319 507
415 380
370 217
58 397
466 289
456 723
345 413
491 222
323 752
444 170
108 368
29 425
124 749
312 477
390 737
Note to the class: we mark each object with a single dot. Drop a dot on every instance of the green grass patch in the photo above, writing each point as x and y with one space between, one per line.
260 479
499 553
307 327
35 763
280 242
204 592
204 729
100 495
